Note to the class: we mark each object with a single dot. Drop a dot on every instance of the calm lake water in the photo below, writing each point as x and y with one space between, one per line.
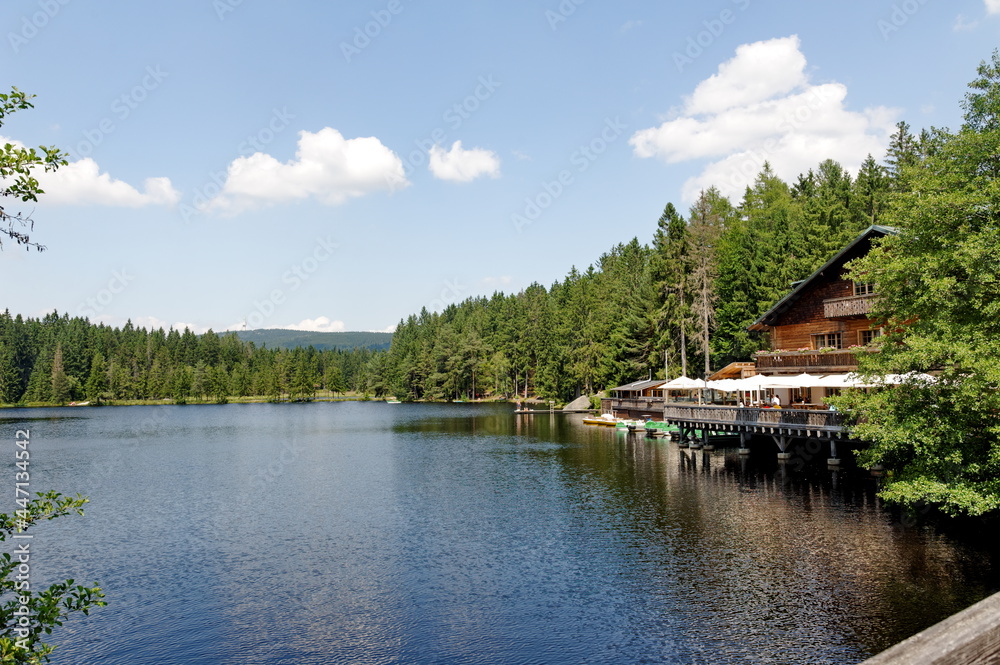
375 533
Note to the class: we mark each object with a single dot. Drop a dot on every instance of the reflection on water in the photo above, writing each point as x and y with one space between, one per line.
373 533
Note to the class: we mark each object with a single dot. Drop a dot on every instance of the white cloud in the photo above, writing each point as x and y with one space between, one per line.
493 282
82 183
326 167
148 322
760 71
760 106
992 6
459 165
389 329
321 324
963 24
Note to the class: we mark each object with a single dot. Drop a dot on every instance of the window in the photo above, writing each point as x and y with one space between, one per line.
863 288
835 340
867 336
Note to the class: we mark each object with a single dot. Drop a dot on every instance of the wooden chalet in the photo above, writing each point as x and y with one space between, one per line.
813 330
815 326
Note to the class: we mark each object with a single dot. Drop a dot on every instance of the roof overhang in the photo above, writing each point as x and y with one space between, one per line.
768 318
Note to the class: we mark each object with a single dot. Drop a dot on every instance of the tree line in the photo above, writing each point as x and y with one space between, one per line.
680 304
58 359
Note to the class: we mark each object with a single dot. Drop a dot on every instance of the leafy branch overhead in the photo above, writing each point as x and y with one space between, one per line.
17 164
938 282
27 616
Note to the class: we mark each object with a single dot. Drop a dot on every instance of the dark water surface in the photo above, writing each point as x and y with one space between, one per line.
374 533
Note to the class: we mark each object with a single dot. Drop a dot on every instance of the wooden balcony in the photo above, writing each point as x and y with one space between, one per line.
844 307
813 362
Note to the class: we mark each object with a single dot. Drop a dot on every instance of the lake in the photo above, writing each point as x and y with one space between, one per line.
420 533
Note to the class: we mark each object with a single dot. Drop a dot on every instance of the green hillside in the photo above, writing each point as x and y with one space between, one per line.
277 338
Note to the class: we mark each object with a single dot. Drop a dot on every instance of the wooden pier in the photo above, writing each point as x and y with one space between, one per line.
783 425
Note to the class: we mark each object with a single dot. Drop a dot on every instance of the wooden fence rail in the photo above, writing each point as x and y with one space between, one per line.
971 637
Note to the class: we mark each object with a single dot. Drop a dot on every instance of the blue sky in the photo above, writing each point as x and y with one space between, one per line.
338 166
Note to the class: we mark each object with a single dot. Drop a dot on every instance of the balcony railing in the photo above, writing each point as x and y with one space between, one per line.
830 361
852 306
639 404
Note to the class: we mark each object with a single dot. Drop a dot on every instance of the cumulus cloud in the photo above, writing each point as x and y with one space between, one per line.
82 183
993 6
321 324
327 167
460 165
760 106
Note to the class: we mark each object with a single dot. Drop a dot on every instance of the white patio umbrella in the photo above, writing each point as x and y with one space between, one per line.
724 385
684 383
851 380
806 380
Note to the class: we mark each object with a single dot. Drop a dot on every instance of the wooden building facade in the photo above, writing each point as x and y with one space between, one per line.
814 327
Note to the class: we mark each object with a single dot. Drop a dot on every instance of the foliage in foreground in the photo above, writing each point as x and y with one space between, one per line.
28 616
17 167
939 294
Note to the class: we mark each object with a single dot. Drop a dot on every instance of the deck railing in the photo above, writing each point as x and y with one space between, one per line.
851 306
752 416
654 404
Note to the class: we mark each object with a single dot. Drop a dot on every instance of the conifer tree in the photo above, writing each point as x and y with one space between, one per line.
60 383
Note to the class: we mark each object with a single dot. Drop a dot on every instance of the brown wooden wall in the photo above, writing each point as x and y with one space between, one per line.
794 328
799 336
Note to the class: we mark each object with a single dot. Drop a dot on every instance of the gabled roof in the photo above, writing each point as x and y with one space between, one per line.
767 318
641 385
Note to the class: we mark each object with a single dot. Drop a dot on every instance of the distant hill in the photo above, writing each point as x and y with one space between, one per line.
277 338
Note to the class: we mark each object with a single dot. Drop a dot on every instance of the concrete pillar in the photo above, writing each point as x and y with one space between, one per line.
834 460
782 442
744 446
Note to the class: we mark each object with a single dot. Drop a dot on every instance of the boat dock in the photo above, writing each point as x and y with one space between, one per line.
783 425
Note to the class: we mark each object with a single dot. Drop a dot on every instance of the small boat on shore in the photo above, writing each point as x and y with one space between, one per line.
605 420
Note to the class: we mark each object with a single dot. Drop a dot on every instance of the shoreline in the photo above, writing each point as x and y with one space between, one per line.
256 399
